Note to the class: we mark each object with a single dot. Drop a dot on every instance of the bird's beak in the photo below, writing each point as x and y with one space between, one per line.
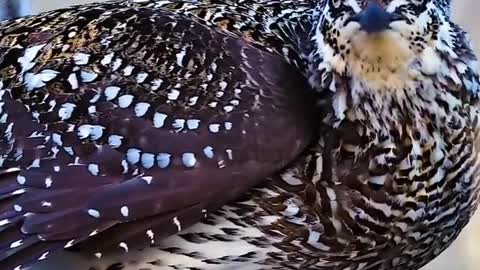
374 18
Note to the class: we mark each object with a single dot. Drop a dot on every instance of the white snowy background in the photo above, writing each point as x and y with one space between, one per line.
464 254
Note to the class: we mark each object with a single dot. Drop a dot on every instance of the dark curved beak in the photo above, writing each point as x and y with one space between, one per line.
373 18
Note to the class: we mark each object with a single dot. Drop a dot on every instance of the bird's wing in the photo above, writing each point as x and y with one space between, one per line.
133 122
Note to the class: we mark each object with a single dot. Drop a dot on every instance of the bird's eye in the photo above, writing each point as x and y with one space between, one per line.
336 3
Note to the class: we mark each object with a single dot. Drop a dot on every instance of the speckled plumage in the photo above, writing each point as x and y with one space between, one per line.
132 123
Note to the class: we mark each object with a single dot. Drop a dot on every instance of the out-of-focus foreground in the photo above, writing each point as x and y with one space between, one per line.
463 255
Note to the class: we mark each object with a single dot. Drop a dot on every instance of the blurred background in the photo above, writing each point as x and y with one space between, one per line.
464 254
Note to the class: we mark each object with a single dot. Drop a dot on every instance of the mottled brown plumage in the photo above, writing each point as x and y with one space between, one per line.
136 123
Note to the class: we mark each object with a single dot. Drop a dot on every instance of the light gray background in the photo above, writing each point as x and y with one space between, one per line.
465 252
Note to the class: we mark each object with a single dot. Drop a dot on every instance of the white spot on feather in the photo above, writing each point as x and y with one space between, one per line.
124 166
57 139
229 154
214 128
111 92
95 132
208 151
148 160
223 85
125 211
127 71
141 109
291 179
156 84
151 235
69 244
48 182
192 101
17 208
124 246
19 192
159 120
180 57
66 111
107 59
133 155
93 169
95 98
378 180
81 58
147 179
21 179
39 80
141 77
193 124
16 244
291 210
44 256
125 101
4 222
178 124
83 131
177 223
115 141
46 204
228 108
163 160
31 53
94 213
3 119
26 60
189 160
174 94
313 240
117 64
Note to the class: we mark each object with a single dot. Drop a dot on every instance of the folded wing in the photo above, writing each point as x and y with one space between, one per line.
132 123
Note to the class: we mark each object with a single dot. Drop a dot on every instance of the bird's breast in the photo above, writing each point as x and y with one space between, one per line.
382 60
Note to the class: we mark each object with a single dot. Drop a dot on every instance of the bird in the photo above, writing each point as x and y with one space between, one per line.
142 117
237 134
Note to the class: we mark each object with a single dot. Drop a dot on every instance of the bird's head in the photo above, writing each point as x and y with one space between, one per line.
388 43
